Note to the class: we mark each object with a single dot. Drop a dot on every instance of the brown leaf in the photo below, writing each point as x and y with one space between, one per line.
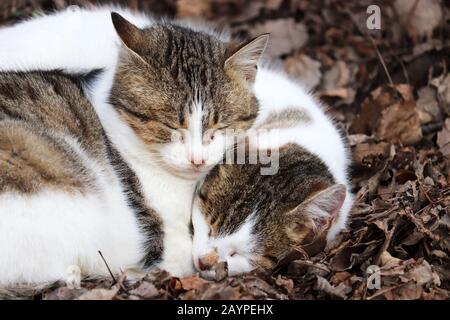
370 155
100 294
443 138
288 284
428 106
64 293
302 67
419 17
221 270
336 83
146 290
442 84
193 283
340 291
193 9
286 35
390 114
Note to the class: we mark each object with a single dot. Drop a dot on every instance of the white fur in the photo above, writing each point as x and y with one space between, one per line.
42 234
236 249
196 153
195 134
276 91
83 40
168 194
77 40
81 225
74 39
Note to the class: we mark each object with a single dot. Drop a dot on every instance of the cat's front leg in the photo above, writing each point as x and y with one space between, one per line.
177 255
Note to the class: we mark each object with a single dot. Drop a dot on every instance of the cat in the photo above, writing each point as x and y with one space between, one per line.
248 219
75 39
65 191
273 88
163 107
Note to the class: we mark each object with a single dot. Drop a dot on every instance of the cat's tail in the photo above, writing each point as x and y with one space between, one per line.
25 292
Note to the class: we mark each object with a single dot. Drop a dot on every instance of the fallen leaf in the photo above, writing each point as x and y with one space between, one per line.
340 291
428 106
100 294
443 138
193 9
420 17
146 290
305 69
286 35
390 114
221 270
370 155
193 283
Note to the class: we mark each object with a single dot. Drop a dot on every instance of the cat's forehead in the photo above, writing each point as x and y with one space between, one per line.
191 63
177 42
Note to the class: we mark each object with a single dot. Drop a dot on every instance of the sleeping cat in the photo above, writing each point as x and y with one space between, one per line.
161 110
65 191
251 220
91 43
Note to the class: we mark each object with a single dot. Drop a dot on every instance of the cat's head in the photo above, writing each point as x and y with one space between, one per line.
179 89
252 221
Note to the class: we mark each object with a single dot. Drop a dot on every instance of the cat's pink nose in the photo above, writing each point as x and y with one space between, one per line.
208 261
198 162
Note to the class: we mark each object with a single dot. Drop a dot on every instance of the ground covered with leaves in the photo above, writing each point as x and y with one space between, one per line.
389 90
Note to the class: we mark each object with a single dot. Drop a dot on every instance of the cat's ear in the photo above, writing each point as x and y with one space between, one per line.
131 36
244 57
321 209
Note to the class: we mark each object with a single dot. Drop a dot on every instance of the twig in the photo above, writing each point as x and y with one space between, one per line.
107 266
368 36
405 72
411 13
381 59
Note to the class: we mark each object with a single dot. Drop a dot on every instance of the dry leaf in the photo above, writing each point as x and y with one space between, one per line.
193 9
286 35
305 69
420 17
428 106
339 291
193 283
370 155
390 114
100 294
146 290
443 138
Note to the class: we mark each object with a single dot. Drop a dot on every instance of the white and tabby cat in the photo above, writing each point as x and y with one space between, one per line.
87 52
168 81
251 220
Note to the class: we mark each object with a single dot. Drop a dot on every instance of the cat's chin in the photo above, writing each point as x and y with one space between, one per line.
188 174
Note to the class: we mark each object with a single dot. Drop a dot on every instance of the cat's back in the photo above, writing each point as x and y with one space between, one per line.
48 131
52 102
311 128
232 192
73 39
59 179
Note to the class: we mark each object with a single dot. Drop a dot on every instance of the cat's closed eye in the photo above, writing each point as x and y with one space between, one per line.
233 253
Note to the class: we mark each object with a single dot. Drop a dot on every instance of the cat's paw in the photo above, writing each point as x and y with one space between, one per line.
178 269
73 277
